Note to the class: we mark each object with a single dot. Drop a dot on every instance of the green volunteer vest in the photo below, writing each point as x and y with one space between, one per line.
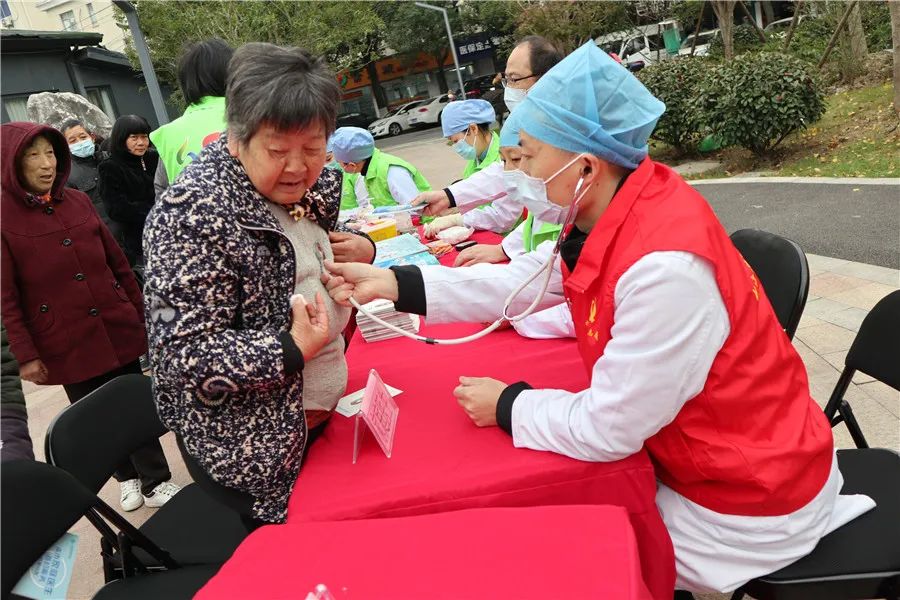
181 141
492 156
376 181
546 232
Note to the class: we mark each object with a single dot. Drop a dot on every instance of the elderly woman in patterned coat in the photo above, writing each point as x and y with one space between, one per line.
245 343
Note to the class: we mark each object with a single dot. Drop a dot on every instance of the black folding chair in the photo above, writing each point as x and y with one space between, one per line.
862 558
783 272
875 352
92 437
40 503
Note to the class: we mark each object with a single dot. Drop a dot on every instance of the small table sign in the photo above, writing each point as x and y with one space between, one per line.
379 412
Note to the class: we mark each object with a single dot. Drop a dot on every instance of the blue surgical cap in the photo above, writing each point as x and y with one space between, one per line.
329 145
508 137
457 116
352 144
589 103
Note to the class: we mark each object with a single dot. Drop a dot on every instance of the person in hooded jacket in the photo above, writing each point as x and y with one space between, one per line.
126 182
71 305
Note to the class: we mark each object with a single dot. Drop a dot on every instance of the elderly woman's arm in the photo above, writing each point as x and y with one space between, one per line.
192 295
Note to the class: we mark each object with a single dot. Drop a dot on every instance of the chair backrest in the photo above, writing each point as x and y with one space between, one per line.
876 349
93 437
783 272
39 504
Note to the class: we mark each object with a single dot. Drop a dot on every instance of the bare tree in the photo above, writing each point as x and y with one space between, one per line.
856 36
724 10
895 35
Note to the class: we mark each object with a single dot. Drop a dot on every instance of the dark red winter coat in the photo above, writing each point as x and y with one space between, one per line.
69 297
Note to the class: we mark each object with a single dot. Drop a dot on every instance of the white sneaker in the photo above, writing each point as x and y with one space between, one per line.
130 498
161 494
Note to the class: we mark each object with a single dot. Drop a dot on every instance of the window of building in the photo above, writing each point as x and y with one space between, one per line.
101 97
16 107
93 17
68 20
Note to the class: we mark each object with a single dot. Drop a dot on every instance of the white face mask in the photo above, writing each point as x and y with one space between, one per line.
532 192
513 96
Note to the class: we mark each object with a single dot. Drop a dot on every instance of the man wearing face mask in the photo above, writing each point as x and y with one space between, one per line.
86 157
530 59
685 354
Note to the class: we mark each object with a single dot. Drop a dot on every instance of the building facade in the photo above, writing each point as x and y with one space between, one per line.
94 16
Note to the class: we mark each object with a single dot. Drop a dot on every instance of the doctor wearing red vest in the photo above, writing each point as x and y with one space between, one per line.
685 353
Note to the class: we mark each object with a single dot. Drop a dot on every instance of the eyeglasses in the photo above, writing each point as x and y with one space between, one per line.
506 81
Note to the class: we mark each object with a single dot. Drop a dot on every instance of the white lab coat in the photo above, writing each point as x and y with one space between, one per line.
400 183
554 322
480 188
670 323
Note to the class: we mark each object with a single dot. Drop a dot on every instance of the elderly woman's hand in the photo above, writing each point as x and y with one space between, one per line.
364 282
348 247
309 327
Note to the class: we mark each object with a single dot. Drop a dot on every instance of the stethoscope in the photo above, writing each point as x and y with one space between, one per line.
546 268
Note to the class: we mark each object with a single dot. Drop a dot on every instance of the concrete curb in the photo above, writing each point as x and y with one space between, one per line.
818 180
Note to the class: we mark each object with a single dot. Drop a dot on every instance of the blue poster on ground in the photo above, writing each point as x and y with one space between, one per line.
50 576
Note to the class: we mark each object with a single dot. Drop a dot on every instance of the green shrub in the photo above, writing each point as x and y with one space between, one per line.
676 82
744 38
759 98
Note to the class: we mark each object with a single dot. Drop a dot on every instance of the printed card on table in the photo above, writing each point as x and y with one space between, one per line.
379 412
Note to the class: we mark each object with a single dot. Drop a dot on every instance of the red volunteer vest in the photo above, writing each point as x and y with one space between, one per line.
752 442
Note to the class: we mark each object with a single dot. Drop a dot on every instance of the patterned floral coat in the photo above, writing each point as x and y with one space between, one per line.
219 276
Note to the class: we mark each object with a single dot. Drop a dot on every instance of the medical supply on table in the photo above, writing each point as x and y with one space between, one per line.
380 229
439 247
456 234
464 245
546 268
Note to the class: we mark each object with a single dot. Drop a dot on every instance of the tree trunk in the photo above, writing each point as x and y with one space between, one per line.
441 74
837 32
856 35
377 90
697 28
790 34
895 35
724 10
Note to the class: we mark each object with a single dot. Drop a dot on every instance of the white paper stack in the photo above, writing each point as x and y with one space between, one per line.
384 310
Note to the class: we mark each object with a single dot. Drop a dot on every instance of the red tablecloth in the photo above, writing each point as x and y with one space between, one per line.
521 553
442 462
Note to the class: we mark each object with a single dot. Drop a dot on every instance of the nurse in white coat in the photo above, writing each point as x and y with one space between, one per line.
686 356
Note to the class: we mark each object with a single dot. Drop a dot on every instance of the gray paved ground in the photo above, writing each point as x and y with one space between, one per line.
857 222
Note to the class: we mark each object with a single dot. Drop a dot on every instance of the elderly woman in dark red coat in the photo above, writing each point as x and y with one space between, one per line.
71 305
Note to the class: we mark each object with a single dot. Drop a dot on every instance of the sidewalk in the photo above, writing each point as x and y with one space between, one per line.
841 293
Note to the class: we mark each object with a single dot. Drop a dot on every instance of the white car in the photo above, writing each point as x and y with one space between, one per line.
394 122
429 113
704 38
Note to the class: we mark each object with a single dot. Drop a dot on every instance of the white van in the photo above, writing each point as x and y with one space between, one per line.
642 44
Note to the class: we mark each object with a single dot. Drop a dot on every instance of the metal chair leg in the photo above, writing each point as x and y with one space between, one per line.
852 425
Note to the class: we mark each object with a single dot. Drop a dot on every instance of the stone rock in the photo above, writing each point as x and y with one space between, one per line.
54 108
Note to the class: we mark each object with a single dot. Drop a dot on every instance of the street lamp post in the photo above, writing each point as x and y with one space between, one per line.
462 89
140 45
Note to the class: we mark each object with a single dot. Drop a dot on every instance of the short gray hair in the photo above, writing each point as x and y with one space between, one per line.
288 88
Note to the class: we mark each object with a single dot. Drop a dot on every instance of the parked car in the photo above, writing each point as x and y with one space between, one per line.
395 121
637 47
704 38
476 88
354 119
429 113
